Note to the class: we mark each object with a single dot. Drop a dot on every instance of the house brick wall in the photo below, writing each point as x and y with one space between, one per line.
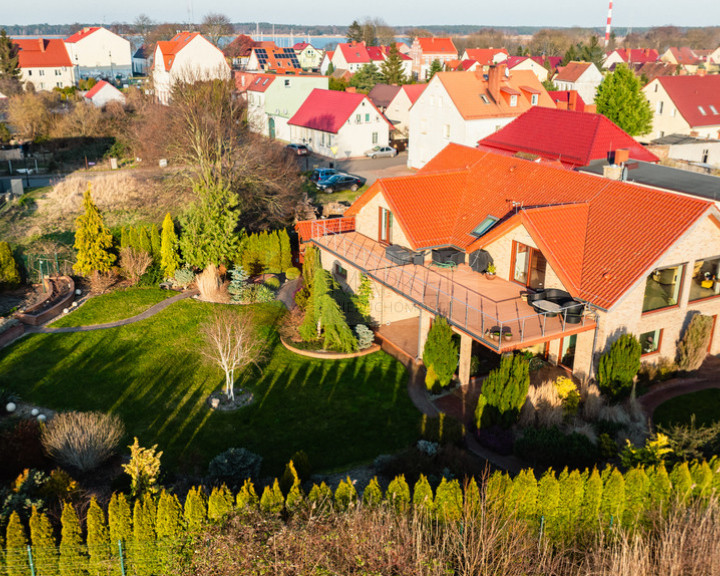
367 221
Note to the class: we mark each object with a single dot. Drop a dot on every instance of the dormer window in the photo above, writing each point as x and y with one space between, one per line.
534 99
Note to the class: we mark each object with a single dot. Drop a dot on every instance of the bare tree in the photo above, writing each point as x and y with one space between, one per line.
142 26
232 343
215 25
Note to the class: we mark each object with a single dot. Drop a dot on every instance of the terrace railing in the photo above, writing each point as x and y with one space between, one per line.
465 308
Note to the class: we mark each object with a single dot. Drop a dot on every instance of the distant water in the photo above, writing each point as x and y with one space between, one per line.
285 41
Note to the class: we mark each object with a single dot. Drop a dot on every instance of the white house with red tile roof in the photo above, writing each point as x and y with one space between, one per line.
96 52
630 56
688 105
350 56
398 110
44 63
464 107
308 56
685 57
527 63
584 77
102 93
189 57
272 99
425 50
587 253
339 124
326 60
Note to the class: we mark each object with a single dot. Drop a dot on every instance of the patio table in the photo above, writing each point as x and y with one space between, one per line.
547 306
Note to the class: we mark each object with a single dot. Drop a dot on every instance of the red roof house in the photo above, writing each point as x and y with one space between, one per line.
485 56
697 98
45 63
630 56
81 34
573 138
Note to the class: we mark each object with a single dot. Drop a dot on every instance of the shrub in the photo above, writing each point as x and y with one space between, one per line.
260 294
608 447
619 366
346 495
372 495
440 354
550 447
365 336
398 494
21 448
134 263
362 297
9 272
653 452
272 500
302 464
273 283
82 440
569 395
659 371
475 365
233 466
143 468
320 497
238 284
691 442
692 348
183 277
210 285
292 273
505 390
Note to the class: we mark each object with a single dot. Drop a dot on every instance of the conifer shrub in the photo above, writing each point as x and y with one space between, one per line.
524 494
346 495
16 542
365 336
289 478
693 346
195 510
440 355
423 495
612 504
183 277
302 464
372 495
82 440
272 500
448 500
73 558
45 556
504 392
143 468
144 551
119 520
233 466
220 503
619 366
273 283
292 273
320 497
169 523
398 494
295 499
9 271
247 498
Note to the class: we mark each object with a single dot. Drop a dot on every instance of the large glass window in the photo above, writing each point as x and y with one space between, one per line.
662 288
650 341
705 282
522 257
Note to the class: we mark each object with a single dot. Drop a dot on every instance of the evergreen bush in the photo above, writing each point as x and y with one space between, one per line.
183 277
345 495
440 354
9 271
504 392
45 556
619 366
693 346
272 500
98 539
73 559
233 466
292 273
320 497
550 447
220 503
398 494
448 500
365 336
372 495
195 510
423 495
272 283
247 498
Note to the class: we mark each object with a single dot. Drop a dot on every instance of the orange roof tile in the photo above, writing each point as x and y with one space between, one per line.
170 48
485 56
437 46
573 71
42 53
599 235
79 35
465 90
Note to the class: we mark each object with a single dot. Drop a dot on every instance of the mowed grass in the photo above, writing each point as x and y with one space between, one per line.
153 375
114 306
705 404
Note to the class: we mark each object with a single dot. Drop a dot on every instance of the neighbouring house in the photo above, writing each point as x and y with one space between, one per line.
425 50
342 75
685 58
579 260
395 102
44 63
339 124
275 60
353 56
142 60
688 105
326 60
570 100
572 138
704 152
308 56
273 99
630 56
240 49
648 71
581 76
98 53
486 57
104 92
527 63
187 57
464 107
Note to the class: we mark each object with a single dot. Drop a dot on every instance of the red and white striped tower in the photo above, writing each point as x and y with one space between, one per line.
609 22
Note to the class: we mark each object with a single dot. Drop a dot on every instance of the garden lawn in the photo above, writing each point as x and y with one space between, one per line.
113 306
153 375
705 404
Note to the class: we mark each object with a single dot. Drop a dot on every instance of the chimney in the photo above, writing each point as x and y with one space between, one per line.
612 172
622 155
495 75
572 100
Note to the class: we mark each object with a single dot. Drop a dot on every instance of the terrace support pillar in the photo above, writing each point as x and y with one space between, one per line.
424 322
465 356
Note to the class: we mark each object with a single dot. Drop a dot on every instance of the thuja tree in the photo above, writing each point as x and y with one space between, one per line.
169 258
98 539
504 392
93 241
619 366
440 354
45 555
693 346
9 273
16 547
73 559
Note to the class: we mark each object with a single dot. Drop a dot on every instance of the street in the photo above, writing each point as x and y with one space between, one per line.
368 168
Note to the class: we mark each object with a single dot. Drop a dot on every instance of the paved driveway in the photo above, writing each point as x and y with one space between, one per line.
368 168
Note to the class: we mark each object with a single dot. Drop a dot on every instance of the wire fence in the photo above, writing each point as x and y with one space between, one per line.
39 266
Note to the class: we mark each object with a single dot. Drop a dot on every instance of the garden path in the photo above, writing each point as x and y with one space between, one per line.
160 306
286 294
707 377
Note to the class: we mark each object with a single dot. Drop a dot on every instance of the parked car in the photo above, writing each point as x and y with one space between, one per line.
381 151
320 174
298 149
340 182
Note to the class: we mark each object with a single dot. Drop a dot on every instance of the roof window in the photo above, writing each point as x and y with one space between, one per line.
713 110
484 226
484 99
702 110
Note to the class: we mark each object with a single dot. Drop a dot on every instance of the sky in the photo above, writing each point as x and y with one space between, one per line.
586 13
